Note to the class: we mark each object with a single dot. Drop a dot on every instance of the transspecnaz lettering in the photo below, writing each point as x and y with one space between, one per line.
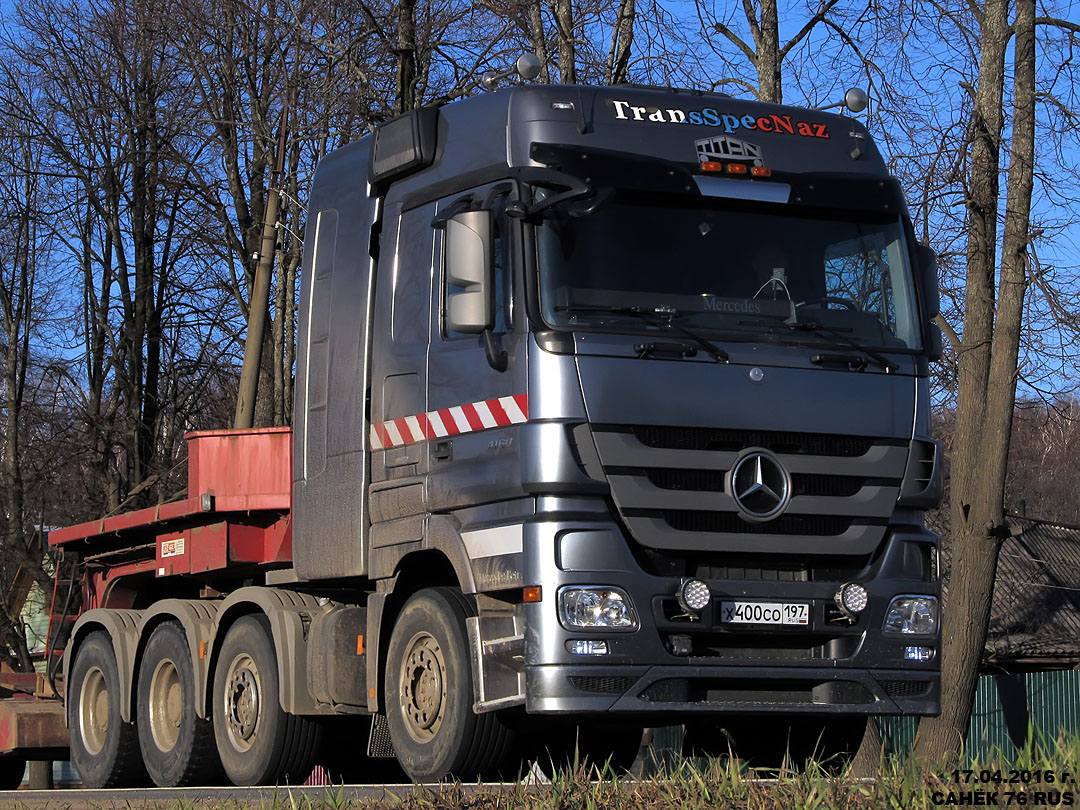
711 117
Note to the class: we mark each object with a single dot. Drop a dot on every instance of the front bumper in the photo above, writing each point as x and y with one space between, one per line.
693 689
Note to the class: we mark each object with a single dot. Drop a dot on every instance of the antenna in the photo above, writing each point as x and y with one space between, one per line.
527 67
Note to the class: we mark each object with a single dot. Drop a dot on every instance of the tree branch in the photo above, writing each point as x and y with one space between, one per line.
806 29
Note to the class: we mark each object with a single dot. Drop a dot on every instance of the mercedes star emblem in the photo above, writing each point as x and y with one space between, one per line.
760 485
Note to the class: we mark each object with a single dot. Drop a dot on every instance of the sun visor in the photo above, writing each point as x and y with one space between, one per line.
404 145
742 190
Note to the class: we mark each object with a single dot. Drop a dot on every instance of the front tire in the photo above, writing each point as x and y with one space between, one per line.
104 749
429 693
177 745
258 742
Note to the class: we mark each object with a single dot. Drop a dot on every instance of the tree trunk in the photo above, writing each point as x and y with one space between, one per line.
406 55
538 38
987 369
768 55
622 38
564 29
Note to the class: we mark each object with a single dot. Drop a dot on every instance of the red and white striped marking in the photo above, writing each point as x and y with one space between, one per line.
469 418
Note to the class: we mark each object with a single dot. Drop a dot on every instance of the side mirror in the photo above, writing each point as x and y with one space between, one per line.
928 281
469 264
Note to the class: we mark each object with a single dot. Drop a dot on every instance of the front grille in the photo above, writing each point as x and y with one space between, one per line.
825 486
602 683
670 485
811 444
898 689
806 525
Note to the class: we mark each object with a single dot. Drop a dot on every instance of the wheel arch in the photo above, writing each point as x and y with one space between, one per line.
427 568
122 628
196 619
289 613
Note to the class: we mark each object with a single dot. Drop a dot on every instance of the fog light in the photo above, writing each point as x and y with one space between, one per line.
919 653
916 615
693 595
597 607
851 599
587 646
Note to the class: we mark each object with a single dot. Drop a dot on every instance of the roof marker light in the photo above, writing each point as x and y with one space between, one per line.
760 171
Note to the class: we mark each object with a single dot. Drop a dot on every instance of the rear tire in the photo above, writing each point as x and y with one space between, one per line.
177 745
104 749
258 742
429 693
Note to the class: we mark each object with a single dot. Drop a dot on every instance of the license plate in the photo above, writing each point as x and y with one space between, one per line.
797 613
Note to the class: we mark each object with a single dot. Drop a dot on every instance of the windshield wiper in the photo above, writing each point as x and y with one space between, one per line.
711 349
835 336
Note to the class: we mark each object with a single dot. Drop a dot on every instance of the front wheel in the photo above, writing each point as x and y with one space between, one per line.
104 749
258 742
429 693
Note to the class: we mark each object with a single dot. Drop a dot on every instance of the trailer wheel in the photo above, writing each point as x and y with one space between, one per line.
104 749
177 745
258 742
12 770
429 693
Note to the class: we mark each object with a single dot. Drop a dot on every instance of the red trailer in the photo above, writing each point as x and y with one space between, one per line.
232 525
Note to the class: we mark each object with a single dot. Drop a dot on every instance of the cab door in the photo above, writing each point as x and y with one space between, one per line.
477 389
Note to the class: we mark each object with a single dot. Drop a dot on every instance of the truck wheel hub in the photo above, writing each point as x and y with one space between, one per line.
243 701
423 686
94 711
166 705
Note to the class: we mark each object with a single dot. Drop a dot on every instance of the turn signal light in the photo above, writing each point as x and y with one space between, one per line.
531 593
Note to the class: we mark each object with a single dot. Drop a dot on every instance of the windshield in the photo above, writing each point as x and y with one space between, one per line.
731 273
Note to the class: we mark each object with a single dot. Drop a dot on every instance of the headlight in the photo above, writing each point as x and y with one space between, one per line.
599 607
912 614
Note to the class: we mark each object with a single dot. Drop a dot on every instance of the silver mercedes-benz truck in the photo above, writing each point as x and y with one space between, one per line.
613 412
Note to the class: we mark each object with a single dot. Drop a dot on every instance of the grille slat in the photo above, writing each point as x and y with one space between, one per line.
782 443
602 683
826 486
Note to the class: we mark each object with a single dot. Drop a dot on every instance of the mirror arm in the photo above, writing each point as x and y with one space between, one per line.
497 358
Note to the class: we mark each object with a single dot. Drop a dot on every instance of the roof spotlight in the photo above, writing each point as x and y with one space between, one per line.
851 599
693 595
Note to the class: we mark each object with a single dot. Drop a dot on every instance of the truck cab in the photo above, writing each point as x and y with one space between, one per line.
642 373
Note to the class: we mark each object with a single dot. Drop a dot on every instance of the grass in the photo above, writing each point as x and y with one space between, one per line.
715 784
